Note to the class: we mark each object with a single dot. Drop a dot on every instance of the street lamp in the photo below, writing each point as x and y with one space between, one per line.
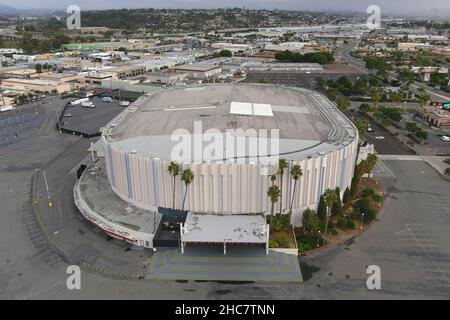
362 220
318 238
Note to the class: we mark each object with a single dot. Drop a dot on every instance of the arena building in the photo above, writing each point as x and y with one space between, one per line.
229 189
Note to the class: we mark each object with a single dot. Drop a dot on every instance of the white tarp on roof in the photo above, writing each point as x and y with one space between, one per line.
203 228
251 109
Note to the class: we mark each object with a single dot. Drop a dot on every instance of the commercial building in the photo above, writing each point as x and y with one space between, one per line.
435 115
37 85
199 71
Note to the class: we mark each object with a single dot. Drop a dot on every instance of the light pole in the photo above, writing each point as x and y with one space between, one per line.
318 238
50 204
362 220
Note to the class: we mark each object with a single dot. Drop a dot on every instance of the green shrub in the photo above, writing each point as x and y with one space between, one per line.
310 239
351 223
367 192
302 247
363 204
342 223
369 215
356 214
273 244
280 222
377 198
310 221
283 241
333 231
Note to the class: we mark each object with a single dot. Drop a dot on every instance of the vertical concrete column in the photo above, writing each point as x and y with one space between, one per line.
267 242
181 238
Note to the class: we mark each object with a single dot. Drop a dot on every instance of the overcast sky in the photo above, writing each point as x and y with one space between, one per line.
388 6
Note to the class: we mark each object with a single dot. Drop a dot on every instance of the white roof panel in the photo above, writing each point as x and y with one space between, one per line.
241 108
262 109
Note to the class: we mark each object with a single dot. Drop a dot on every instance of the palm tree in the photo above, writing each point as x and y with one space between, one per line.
282 165
371 161
187 177
274 194
273 178
296 172
375 97
174 170
330 198
424 98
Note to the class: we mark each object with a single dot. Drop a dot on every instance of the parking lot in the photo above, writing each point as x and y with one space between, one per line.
87 121
388 145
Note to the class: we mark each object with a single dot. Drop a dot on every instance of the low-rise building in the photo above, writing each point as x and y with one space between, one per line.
435 115
199 71
166 77
19 73
37 85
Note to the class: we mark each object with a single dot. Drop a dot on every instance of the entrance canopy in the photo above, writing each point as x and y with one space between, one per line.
213 228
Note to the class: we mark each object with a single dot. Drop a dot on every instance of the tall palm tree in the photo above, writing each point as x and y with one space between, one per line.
330 198
375 97
296 172
424 98
187 177
273 178
174 170
371 161
282 165
274 194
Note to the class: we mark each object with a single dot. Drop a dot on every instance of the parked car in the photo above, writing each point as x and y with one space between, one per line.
445 138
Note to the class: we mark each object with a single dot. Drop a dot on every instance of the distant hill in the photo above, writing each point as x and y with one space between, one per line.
9 11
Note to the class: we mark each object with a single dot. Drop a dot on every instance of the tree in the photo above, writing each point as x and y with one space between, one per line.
310 221
343 103
296 172
329 197
274 194
282 165
187 177
174 170
364 108
362 126
337 205
424 98
38 68
375 97
346 198
322 209
225 53
371 162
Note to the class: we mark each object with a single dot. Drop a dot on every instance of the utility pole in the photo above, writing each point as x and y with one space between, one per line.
50 203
